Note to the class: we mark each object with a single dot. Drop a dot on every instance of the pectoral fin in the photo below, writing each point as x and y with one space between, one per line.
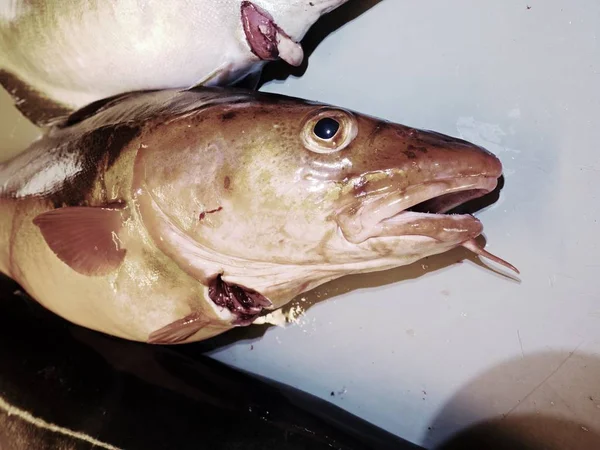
84 238
178 331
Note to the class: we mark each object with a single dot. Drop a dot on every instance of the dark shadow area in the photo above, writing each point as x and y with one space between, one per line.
280 70
350 283
345 285
543 401
137 396
472 206
528 432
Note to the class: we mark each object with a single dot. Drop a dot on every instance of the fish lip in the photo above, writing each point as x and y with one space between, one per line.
389 215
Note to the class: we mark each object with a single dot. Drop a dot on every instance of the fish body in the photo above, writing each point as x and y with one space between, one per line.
172 216
58 56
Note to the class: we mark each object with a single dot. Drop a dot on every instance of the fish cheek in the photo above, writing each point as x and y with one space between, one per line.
189 181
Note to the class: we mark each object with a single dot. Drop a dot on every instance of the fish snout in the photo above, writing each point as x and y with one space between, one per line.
410 179
444 156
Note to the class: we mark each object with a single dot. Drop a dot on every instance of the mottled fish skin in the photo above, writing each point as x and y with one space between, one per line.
60 55
174 215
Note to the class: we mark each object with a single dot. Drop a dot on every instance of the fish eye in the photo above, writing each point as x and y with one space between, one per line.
326 128
329 130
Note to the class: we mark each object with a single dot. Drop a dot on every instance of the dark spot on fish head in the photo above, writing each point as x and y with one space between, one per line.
410 154
260 111
414 148
227 182
439 140
352 210
402 131
228 116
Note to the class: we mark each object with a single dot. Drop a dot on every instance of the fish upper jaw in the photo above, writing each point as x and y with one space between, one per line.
389 215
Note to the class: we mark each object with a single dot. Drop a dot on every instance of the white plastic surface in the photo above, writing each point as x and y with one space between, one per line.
429 350
426 351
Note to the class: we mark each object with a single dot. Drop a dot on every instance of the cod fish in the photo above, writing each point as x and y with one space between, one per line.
60 55
172 216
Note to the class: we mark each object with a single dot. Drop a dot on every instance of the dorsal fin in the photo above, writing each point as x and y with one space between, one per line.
91 109
35 106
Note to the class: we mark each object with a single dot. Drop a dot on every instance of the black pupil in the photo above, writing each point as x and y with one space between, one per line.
326 128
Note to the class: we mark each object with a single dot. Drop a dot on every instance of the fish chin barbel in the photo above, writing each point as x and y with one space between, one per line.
172 216
472 245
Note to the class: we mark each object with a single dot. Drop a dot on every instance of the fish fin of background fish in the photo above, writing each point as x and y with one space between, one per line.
91 109
84 238
179 330
209 78
250 81
34 105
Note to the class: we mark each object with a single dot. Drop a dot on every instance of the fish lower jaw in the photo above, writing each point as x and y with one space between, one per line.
418 213
447 228
440 230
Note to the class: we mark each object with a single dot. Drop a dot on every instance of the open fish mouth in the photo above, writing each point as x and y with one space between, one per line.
421 211
266 39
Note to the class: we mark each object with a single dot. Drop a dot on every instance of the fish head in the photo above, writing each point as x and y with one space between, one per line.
278 195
